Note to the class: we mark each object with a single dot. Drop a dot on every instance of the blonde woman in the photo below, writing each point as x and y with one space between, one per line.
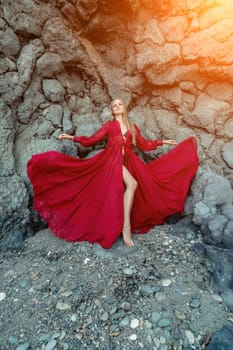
114 192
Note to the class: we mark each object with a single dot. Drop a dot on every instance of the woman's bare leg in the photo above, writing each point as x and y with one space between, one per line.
130 187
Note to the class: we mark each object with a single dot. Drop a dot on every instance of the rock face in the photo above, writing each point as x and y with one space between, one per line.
61 64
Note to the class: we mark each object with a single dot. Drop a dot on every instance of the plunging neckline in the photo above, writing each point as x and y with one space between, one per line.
124 135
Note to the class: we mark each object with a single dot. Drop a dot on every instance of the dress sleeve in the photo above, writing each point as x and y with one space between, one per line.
96 137
146 145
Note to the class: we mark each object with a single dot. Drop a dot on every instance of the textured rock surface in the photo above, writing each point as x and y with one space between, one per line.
71 296
63 61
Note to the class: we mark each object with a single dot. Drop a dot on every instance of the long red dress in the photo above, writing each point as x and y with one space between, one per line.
82 199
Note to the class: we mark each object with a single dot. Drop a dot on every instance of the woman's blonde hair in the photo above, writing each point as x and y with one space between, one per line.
127 122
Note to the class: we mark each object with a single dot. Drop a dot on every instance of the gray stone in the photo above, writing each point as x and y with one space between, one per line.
227 153
72 81
202 213
164 322
6 64
155 317
124 322
27 59
195 303
63 306
49 64
227 239
9 42
147 289
12 340
32 100
216 226
134 323
26 25
63 41
128 271
7 134
23 346
221 267
222 339
53 90
104 316
227 210
14 215
205 112
44 337
51 344
44 129
125 306
67 124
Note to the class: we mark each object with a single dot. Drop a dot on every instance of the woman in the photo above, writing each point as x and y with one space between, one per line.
96 199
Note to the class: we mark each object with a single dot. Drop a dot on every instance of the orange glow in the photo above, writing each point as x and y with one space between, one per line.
227 4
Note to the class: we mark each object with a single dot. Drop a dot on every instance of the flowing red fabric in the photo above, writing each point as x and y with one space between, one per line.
82 199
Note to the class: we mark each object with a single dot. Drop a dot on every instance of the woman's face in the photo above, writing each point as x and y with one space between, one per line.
117 107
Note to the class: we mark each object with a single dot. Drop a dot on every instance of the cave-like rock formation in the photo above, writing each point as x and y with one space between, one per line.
63 61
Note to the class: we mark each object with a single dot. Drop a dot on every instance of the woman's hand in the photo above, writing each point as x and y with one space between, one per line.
62 137
170 142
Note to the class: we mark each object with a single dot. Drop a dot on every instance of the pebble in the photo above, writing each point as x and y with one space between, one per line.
44 337
180 315
148 324
63 306
166 282
12 340
134 323
23 346
160 296
51 345
217 298
97 302
74 317
2 296
162 340
104 316
125 306
133 337
195 303
113 310
157 342
155 317
128 271
148 289
24 283
164 322
124 322
190 336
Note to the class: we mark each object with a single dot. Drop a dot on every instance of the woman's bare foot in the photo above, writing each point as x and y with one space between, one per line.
127 237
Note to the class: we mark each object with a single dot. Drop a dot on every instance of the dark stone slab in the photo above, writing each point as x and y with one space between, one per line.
222 339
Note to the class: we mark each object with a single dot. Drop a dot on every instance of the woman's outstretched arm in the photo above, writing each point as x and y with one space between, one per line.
148 145
88 140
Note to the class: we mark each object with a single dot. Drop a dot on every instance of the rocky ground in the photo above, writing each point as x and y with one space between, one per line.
157 295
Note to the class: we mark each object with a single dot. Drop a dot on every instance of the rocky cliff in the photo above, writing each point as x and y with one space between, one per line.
63 61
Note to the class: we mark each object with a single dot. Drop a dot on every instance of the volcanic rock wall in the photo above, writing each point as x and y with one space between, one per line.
61 64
